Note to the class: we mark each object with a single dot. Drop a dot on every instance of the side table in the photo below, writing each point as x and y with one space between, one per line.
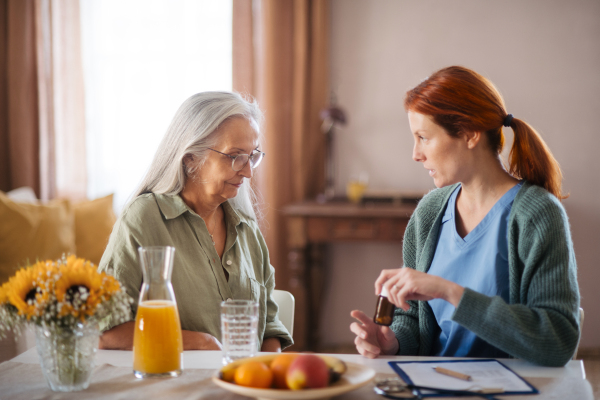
311 226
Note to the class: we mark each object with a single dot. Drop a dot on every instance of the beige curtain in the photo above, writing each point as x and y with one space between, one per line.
281 56
19 130
42 129
68 106
243 47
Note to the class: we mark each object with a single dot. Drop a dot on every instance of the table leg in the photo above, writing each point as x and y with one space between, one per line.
317 276
307 277
297 282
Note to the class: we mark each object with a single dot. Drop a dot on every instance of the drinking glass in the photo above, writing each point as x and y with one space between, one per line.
157 341
239 324
356 187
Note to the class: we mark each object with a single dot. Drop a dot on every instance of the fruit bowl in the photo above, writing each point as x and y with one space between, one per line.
354 377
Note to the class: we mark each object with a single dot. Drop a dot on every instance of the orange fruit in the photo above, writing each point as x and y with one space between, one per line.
254 374
279 367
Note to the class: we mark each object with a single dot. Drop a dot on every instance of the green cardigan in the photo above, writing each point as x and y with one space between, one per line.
541 322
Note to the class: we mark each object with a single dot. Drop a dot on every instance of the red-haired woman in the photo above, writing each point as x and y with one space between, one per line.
490 268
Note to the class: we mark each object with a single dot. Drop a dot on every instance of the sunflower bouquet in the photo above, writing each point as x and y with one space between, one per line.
65 300
61 295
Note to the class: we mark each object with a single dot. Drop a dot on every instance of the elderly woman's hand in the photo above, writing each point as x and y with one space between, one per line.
405 284
272 344
371 339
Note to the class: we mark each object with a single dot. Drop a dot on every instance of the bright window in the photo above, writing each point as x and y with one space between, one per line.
142 59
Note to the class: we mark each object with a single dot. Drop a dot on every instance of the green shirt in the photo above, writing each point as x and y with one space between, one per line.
198 278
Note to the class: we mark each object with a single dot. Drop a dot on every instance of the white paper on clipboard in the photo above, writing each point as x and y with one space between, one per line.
485 374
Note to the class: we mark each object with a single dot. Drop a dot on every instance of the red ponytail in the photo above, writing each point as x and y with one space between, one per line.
460 100
531 159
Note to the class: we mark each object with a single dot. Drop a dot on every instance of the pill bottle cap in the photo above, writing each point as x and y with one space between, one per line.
384 292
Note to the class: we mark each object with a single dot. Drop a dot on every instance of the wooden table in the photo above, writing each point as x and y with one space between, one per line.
21 378
311 226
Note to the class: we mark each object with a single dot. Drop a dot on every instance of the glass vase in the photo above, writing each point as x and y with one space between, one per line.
67 355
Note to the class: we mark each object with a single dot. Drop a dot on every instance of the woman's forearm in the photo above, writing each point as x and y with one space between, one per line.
121 338
118 338
200 341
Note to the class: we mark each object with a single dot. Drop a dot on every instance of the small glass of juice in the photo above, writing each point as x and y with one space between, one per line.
356 187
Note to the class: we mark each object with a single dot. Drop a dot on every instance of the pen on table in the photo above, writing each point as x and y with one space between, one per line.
453 374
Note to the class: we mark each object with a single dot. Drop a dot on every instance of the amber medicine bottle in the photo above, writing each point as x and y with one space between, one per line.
384 312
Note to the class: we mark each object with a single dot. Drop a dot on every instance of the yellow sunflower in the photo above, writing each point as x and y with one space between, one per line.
24 289
80 288
110 286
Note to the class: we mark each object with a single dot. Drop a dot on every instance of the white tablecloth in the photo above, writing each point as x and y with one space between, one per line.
21 378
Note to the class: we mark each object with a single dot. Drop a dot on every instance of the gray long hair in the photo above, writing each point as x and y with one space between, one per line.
191 132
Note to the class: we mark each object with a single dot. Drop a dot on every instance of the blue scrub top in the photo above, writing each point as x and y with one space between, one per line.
478 261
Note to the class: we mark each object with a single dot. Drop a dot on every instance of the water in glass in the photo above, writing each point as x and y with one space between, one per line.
239 324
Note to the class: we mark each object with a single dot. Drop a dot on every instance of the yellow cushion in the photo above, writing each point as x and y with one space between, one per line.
31 232
94 221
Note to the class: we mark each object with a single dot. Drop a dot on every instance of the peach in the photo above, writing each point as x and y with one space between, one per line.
307 371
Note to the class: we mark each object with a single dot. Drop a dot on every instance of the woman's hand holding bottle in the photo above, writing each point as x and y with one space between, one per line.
405 284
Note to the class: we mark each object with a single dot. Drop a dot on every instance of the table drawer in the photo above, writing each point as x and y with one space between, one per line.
324 229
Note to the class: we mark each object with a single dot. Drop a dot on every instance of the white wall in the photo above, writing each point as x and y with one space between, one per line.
544 55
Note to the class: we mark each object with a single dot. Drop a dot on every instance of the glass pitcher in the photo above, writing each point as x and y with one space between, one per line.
157 341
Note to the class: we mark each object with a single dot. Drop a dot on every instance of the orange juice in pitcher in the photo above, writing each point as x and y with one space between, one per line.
157 321
157 340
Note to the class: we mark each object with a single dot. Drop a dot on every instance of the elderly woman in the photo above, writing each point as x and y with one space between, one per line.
196 197
489 263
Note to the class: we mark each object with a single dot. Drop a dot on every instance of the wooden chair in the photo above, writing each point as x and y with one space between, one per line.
287 304
581 315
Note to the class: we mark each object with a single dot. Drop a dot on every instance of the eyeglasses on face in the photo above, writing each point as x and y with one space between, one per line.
239 162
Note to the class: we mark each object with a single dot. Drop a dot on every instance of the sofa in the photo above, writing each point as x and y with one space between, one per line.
32 230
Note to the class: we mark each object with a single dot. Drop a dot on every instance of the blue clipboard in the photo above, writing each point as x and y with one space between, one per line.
397 367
